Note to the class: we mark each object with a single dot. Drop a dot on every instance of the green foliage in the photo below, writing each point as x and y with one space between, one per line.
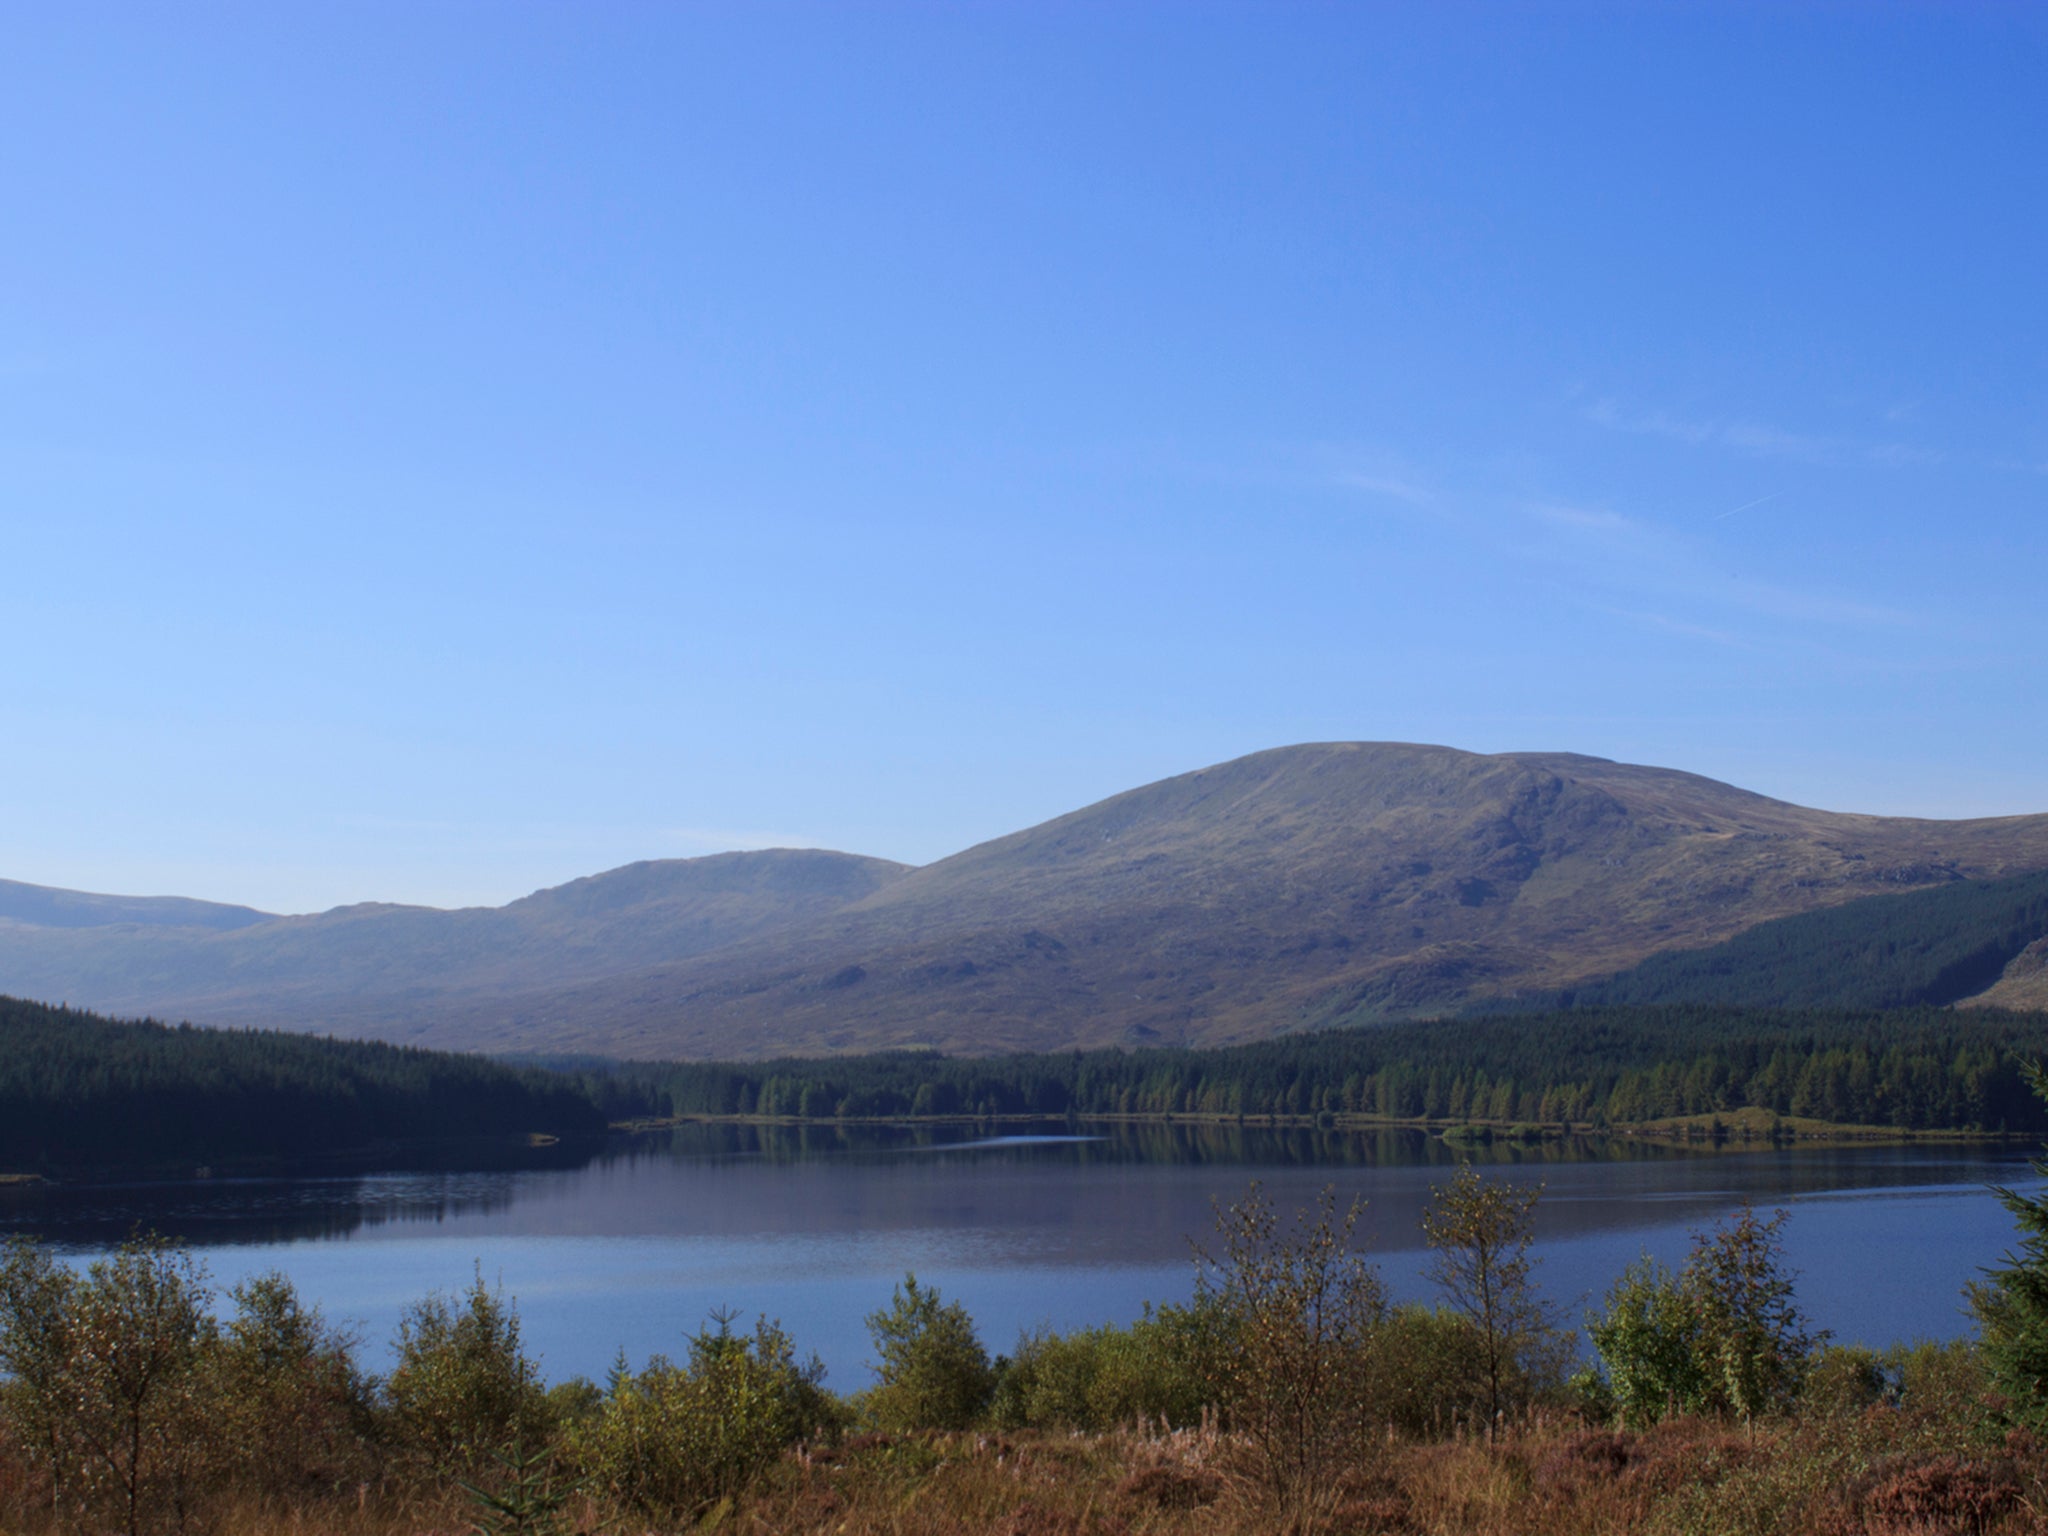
527 1497
35 1359
1946 1382
107 1376
1723 1337
1479 1231
931 1370
1429 1371
77 1090
1097 1379
1757 1346
463 1390
2011 1302
673 1440
574 1401
133 1401
1844 1380
286 1395
1297 1314
1648 1339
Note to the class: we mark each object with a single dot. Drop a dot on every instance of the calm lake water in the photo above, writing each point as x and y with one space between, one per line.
632 1247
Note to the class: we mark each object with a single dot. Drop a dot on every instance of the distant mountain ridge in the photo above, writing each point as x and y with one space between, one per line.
375 968
1299 887
45 907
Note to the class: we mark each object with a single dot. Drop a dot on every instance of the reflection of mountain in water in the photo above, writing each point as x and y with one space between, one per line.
1094 1195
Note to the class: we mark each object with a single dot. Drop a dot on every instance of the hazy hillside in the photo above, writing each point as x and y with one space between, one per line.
387 969
46 908
1303 886
1307 885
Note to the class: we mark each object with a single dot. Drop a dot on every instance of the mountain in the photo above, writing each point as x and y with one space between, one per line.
386 970
1299 887
1305 886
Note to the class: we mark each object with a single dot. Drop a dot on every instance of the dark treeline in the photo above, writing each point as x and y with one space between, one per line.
78 1090
1923 949
1921 1069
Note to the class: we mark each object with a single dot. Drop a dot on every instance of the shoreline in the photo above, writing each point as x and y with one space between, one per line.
1735 1131
1735 1127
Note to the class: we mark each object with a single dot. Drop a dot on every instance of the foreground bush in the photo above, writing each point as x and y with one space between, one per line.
931 1371
1722 1337
1159 1371
286 1395
674 1440
1298 1314
133 1407
463 1390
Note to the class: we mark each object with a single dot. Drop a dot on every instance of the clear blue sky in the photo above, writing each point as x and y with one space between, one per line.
449 448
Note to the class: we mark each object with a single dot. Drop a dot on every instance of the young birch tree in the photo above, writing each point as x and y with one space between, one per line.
1478 1231
1297 1314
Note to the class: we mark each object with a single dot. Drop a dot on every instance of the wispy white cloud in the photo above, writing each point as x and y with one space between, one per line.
1590 519
1691 631
1370 470
1754 438
1651 570
1383 485
1813 607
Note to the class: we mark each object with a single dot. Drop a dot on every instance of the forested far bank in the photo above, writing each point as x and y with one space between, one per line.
81 1091
1919 1070
78 1091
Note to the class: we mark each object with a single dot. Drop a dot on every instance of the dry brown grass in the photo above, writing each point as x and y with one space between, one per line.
1881 1473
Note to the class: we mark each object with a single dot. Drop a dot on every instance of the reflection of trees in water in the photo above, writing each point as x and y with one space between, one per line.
1071 1187
1166 1142
252 1212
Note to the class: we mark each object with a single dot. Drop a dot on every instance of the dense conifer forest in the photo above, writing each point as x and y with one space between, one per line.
1922 949
1917 1069
77 1090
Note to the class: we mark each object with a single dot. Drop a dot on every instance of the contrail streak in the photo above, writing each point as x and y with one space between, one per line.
1745 506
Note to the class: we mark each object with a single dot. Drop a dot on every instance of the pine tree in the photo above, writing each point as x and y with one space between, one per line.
2011 1302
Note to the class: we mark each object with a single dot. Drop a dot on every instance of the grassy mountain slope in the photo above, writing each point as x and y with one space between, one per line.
1304 886
2024 983
377 968
1927 948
